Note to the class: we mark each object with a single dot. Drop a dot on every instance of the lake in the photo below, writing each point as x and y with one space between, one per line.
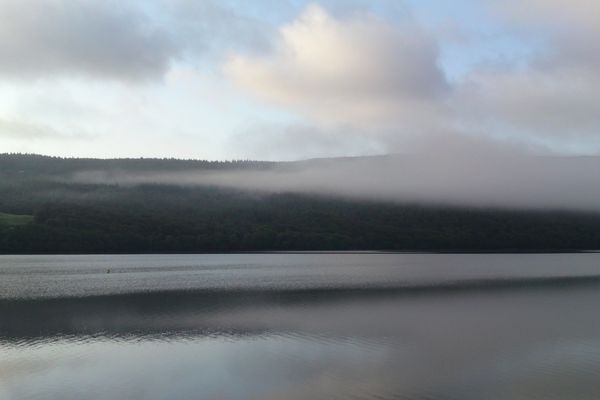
300 326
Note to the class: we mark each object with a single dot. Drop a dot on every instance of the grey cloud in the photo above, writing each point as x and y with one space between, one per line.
108 39
567 29
555 94
536 103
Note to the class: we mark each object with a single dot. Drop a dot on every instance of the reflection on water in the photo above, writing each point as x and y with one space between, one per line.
522 339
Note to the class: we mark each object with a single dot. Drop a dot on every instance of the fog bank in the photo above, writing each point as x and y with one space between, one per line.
483 178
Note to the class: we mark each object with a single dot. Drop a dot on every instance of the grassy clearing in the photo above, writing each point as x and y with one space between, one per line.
14 219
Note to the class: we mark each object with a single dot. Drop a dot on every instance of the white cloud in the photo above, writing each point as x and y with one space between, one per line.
349 79
359 69
360 72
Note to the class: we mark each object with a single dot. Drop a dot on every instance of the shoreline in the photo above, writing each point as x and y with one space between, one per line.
332 252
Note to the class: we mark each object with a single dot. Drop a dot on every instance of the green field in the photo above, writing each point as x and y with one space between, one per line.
14 219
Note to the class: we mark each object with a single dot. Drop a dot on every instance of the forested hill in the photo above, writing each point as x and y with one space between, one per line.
44 209
43 167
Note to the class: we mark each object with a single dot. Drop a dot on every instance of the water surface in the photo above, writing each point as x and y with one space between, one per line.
299 326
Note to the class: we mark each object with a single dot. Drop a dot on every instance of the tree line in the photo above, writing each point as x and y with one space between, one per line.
101 218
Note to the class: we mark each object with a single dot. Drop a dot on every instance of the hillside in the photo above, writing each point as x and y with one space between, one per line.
46 207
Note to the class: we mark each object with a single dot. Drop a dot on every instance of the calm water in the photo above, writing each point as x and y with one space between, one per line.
300 326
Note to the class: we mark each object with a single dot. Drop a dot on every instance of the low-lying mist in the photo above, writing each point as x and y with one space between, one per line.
482 178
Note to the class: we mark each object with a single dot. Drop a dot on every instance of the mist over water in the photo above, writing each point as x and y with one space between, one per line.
476 175
281 326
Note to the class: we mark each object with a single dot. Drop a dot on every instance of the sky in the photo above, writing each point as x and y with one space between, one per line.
291 79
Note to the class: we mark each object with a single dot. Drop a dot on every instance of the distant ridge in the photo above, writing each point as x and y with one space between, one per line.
93 206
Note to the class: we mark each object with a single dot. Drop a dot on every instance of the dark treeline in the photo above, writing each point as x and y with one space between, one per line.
37 166
102 218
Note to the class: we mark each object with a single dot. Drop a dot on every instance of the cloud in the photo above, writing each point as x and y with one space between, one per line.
359 68
106 39
558 104
557 15
280 142
17 129
362 73
567 30
555 94
353 76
